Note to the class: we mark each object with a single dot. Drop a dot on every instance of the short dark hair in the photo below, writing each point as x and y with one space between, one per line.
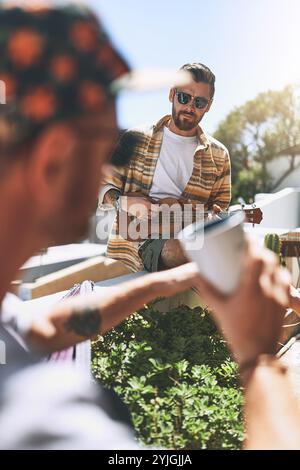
201 73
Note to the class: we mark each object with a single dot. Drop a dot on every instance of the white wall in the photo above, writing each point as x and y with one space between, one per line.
281 209
277 167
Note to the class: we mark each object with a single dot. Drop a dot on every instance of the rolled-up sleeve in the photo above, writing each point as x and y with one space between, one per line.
123 153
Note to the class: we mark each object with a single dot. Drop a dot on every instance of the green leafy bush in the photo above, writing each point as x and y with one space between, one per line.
175 374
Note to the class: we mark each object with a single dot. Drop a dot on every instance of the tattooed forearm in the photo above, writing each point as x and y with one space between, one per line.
86 322
111 196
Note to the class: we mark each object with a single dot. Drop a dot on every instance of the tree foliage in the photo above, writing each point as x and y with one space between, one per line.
256 133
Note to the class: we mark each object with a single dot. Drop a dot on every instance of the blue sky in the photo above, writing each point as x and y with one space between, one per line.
251 45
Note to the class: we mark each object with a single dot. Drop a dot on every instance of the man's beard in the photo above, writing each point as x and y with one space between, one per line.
184 124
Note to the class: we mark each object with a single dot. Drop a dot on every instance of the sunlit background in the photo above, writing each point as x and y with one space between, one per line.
252 46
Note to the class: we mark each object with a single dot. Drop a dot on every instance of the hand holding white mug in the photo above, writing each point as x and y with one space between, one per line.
251 318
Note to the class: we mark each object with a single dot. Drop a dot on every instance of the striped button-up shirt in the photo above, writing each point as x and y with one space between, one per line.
209 182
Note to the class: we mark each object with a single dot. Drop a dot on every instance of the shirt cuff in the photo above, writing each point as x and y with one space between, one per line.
103 191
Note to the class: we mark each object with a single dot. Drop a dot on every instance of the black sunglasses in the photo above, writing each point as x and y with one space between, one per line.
185 98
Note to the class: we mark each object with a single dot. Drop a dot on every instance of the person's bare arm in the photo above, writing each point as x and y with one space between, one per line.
78 319
250 320
271 411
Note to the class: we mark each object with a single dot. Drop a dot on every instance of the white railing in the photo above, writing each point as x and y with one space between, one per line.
281 209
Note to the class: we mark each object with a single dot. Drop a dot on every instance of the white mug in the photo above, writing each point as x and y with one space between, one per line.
218 249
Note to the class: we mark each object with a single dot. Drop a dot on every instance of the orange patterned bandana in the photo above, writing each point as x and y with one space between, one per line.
56 63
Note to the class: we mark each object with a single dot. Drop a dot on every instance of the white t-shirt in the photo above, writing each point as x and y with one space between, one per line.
174 165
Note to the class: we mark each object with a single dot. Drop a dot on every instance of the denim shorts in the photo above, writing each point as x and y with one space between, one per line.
149 252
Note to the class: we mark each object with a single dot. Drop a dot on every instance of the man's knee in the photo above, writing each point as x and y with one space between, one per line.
172 254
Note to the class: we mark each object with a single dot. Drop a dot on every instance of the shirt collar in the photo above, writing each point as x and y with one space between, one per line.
203 143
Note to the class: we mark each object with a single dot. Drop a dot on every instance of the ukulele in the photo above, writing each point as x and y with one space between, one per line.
167 224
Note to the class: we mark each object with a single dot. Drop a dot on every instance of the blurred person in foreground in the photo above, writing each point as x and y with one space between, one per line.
57 130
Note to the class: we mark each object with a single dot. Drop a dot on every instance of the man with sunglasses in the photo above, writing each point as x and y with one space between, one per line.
174 161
